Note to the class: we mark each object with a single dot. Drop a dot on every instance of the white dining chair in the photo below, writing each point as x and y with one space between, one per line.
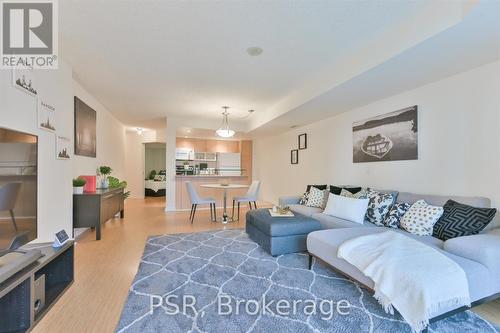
197 200
8 198
251 196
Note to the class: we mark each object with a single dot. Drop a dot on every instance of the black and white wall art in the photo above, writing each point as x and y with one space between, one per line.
46 115
24 80
303 141
63 146
294 156
85 129
389 137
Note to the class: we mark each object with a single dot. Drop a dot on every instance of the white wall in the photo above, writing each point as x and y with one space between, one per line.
18 111
110 140
459 144
135 164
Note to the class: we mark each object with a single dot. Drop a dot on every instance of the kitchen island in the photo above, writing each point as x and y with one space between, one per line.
182 200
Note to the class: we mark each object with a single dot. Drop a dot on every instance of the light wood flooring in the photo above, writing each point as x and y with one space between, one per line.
104 269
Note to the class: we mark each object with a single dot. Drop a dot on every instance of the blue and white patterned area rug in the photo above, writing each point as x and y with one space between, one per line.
218 281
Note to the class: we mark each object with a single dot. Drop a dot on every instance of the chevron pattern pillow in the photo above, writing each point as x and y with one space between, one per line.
462 220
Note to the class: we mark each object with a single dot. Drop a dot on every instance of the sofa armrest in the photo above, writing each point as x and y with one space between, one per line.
289 200
483 248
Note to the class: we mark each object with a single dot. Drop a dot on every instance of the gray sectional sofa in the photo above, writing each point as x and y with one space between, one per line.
478 255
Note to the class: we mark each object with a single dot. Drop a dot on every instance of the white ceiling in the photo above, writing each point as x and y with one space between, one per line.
147 60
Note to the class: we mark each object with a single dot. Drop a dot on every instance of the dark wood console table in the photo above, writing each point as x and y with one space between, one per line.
92 209
24 299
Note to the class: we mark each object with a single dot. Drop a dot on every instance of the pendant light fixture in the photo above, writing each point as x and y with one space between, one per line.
224 131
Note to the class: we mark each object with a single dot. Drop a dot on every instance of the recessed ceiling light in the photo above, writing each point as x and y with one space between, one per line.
251 111
188 130
254 51
294 126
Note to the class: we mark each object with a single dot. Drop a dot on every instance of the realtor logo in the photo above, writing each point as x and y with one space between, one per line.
29 34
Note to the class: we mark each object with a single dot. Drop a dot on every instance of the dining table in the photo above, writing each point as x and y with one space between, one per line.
225 187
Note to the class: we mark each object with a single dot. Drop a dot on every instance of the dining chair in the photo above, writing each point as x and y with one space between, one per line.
197 200
8 198
251 196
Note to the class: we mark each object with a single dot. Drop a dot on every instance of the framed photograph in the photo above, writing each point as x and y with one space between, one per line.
85 129
294 156
24 80
46 115
389 137
63 146
303 141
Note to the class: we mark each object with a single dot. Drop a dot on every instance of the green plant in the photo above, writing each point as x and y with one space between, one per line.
105 170
115 182
152 174
79 182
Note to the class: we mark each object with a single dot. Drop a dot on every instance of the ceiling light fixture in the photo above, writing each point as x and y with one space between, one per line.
139 130
224 131
254 51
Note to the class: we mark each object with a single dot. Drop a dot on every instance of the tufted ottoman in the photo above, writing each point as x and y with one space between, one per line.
279 235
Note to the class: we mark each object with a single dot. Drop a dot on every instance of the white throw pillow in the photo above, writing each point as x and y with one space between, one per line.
420 218
349 209
316 198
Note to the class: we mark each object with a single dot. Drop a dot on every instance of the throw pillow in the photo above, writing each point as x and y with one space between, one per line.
303 199
393 218
462 220
358 195
337 189
316 198
420 218
349 209
378 207
319 187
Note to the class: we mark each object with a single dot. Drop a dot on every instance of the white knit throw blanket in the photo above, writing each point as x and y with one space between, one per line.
410 276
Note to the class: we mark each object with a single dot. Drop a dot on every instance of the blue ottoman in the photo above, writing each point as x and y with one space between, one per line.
279 235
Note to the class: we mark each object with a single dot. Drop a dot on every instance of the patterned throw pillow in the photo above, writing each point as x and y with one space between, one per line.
421 217
316 198
378 207
358 195
305 197
393 218
462 220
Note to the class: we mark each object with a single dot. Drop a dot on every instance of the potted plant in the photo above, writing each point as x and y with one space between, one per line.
104 171
78 184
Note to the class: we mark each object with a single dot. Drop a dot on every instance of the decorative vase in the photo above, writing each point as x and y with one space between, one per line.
104 183
78 190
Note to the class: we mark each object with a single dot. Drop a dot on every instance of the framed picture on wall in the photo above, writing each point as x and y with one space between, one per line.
24 80
388 137
294 156
303 141
46 115
63 146
85 129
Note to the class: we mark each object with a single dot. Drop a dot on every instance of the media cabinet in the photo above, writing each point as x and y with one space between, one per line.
21 303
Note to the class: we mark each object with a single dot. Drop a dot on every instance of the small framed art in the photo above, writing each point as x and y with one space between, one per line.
294 156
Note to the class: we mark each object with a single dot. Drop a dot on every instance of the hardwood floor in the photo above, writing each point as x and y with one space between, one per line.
104 269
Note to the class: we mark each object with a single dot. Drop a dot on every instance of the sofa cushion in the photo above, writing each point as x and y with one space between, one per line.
324 244
421 217
462 220
440 200
332 222
304 210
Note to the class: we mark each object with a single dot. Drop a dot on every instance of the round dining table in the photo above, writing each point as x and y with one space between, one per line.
225 187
